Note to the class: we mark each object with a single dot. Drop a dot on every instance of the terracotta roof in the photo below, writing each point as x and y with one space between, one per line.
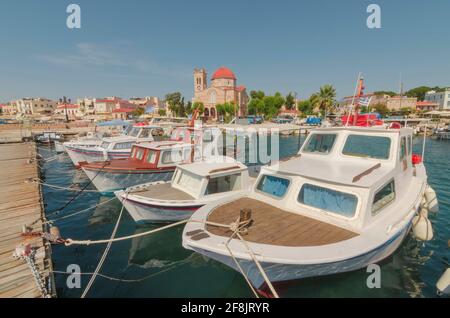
240 88
427 103
107 100
123 110
223 72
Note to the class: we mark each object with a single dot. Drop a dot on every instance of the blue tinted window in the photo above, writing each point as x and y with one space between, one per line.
367 146
329 200
273 185
321 143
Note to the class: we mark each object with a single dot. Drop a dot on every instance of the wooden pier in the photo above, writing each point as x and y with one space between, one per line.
21 204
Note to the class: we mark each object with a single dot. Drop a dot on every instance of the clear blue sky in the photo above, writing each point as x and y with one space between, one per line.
139 48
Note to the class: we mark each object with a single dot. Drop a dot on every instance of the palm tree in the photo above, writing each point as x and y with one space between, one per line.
324 99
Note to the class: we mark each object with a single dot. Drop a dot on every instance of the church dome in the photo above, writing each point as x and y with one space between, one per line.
223 72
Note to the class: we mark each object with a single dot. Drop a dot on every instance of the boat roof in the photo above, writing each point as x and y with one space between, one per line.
356 173
373 129
163 145
120 138
216 165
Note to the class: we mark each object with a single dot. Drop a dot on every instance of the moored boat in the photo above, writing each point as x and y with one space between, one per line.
192 186
346 201
148 162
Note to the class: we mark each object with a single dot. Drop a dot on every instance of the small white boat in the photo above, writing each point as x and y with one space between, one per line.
346 201
192 186
109 148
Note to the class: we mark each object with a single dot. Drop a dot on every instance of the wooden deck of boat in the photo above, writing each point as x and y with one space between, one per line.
20 203
277 227
164 191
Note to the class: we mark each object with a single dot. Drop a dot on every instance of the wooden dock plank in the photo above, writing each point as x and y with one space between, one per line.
20 204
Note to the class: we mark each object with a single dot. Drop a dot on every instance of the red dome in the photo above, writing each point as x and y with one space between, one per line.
223 72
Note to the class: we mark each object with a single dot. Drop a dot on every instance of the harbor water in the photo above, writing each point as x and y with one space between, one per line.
158 266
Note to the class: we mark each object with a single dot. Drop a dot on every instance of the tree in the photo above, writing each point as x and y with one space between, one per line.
324 100
200 106
138 111
418 92
390 93
305 107
290 101
162 112
227 110
381 109
176 103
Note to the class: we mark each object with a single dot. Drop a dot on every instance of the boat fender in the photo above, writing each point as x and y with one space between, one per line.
422 227
431 199
443 284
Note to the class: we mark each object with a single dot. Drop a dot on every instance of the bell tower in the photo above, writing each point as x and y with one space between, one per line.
199 80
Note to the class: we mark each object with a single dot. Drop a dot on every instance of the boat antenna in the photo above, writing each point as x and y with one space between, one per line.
353 99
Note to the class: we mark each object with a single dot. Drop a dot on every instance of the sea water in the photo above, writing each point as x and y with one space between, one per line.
158 266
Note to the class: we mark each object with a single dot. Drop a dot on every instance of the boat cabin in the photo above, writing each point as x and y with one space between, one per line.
348 176
209 179
161 154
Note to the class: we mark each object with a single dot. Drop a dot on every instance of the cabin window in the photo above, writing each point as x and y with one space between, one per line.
403 148
134 132
321 143
151 156
367 146
127 130
145 133
329 200
133 152
172 156
105 145
383 197
224 184
273 185
123 145
139 153
189 181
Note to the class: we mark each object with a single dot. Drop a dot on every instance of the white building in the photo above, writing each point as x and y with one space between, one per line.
35 106
440 98
87 105
72 111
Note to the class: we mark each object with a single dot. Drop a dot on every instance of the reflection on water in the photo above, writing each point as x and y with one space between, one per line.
169 270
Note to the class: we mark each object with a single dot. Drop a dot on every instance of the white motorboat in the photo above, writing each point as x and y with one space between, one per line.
109 148
192 186
347 200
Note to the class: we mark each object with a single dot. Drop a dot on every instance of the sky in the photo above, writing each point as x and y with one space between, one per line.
150 48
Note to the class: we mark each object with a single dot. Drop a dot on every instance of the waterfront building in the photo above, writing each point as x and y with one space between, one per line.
427 106
441 98
87 105
105 105
71 111
223 89
397 103
9 109
35 106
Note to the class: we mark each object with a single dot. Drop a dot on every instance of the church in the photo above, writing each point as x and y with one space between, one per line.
223 89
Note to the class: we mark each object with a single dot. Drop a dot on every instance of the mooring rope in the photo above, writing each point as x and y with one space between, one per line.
103 258
236 227
56 187
81 211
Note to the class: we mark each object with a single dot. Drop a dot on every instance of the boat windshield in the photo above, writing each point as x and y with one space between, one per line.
376 147
127 130
224 184
105 145
273 185
134 132
329 200
188 180
320 143
172 156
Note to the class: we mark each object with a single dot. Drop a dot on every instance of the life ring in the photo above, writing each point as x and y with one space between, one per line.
395 125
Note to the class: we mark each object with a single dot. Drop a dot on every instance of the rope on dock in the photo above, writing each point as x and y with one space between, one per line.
56 187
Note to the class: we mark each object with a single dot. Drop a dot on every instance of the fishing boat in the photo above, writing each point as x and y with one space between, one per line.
110 147
148 162
192 186
347 200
